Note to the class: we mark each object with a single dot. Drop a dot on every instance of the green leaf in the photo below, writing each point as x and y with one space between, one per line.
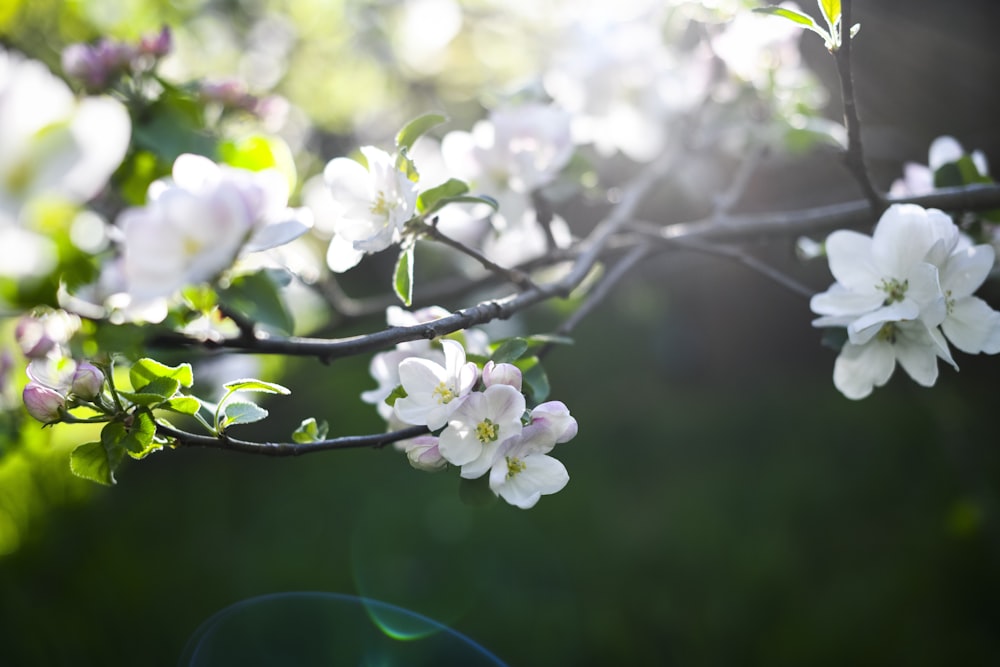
416 128
251 384
961 172
799 18
240 412
509 351
257 152
535 381
395 395
463 199
402 281
256 297
172 126
310 431
428 200
539 340
95 462
146 370
831 12
186 405
134 434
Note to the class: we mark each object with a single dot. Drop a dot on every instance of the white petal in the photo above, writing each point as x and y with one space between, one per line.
542 475
860 368
297 222
839 300
901 239
341 255
865 327
850 255
973 326
458 447
944 149
966 270
918 359
349 182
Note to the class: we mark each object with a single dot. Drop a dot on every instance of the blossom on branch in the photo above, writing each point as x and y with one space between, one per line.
902 294
198 222
433 391
372 206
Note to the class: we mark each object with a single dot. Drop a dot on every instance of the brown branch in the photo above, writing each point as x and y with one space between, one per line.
854 158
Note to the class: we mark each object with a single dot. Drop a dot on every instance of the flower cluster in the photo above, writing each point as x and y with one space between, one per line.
903 294
98 65
479 417
56 381
371 205
195 224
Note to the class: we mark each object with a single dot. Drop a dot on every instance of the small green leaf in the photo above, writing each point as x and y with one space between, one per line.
257 152
799 18
252 384
396 394
831 12
310 431
186 405
165 387
146 370
428 200
539 340
509 351
535 381
960 172
256 296
134 434
95 462
402 281
416 128
239 412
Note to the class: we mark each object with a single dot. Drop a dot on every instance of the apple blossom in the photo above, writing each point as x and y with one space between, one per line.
434 391
523 471
88 381
885 277
477 428
373 205
43 403
969 323
423 453
509 374
197 223
860 368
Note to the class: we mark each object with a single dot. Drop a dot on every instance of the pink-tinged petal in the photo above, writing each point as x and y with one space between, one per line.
850 256
918 358
504 403
967 270
861 368
43 403
973 326
865 327
555 416
840 301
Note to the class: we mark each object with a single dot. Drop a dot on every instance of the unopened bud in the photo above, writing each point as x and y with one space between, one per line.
88 381
44 404
508 374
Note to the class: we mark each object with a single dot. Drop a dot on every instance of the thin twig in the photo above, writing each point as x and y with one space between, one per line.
514 276
854 158
185 439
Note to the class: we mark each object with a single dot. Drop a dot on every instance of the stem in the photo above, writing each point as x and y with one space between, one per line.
854 158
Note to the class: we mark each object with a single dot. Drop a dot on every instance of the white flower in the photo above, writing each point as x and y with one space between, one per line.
523 472
373 204
886 277
860 368
970 324
918 179
521 148
433 391
479 426
197 223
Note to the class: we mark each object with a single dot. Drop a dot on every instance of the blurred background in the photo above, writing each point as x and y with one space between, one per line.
726 506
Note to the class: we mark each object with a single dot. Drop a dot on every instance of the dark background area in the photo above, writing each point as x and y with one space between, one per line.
727 505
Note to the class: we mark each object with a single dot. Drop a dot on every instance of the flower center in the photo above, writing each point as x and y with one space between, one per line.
949 302
887 333
514 466
443 393
895 291
487 431
381 206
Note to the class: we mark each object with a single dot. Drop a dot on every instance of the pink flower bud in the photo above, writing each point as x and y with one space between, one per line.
508 374
555 417
157 45
423 453
44 404
33 337
88 380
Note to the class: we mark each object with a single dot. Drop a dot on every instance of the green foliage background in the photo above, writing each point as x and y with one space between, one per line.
727 506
